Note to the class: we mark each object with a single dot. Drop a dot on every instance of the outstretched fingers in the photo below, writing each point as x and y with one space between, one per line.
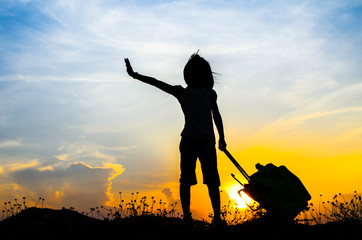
129 67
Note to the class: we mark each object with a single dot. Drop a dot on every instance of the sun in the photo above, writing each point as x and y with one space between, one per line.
242 200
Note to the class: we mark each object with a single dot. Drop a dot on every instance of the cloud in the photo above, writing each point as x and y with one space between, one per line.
88 42
339 101
18 166
10 143
171 200
290 123
168 194
329 123
79 185
90 152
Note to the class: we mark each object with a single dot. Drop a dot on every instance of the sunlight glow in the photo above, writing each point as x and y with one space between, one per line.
240 202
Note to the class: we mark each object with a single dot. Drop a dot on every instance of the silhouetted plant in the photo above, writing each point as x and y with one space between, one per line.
14 208
136 206
40 200
234 215
338 211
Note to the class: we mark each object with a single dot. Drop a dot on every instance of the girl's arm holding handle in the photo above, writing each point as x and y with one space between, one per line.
219 125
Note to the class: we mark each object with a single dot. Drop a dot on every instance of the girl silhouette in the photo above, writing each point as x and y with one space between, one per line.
198 103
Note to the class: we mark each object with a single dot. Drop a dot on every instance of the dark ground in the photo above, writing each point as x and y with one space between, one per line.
42 223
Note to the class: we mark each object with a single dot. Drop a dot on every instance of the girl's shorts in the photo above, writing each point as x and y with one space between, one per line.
190 150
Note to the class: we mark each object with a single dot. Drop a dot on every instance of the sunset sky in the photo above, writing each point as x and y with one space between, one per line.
76 130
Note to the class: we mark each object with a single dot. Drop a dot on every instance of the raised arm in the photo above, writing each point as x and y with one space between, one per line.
150 80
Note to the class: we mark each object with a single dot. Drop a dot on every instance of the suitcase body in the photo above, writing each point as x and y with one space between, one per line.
276 189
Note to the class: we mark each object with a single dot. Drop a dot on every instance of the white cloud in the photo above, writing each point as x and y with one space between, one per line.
78 185
100 34
91 152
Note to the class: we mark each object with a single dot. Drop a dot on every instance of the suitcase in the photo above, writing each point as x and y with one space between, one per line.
276 189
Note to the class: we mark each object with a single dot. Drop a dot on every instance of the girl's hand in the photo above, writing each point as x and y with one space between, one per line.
129 68
222 144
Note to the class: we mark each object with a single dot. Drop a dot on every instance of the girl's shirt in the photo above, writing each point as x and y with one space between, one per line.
196 106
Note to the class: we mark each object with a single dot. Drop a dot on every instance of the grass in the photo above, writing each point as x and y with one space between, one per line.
337 210
141 217
234 215
136 206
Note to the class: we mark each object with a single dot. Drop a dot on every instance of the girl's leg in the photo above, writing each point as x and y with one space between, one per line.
188 177
185 195
214 194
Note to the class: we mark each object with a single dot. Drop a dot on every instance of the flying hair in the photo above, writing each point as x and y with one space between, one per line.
197 72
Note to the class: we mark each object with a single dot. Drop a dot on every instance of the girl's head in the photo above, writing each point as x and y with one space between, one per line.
197 72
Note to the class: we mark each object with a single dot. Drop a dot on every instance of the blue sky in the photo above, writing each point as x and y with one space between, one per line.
289 80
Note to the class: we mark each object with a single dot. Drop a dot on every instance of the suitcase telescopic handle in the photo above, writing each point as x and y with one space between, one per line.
237 165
